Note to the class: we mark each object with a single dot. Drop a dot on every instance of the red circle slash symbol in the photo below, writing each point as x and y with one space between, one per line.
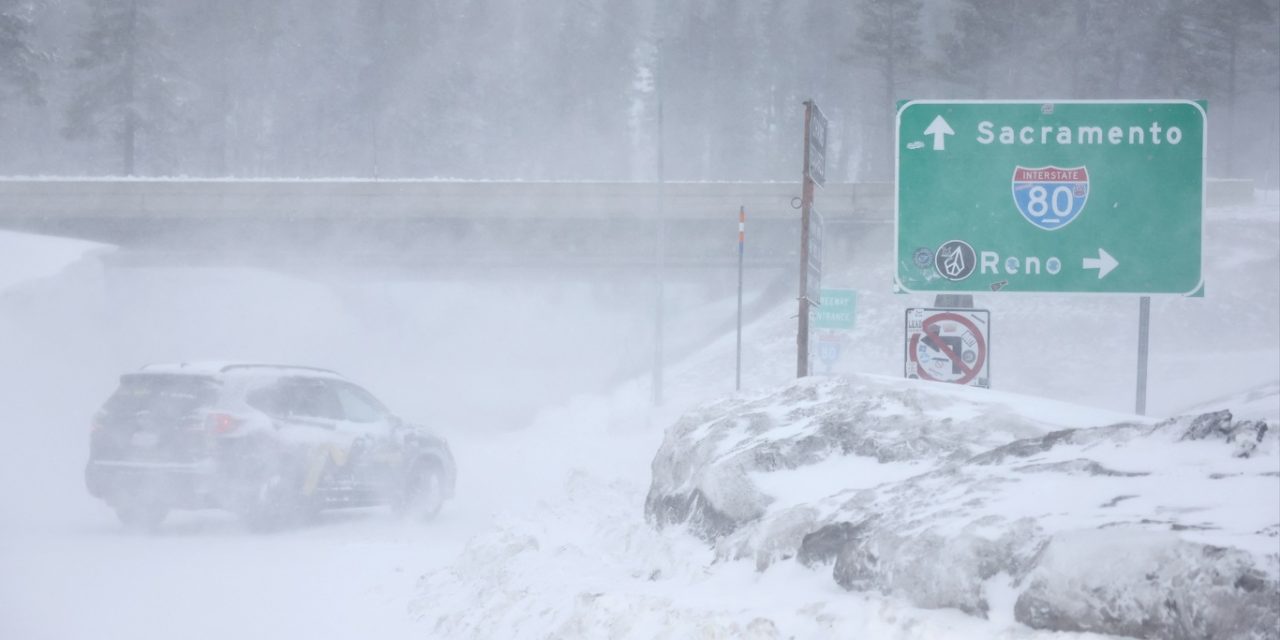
931 333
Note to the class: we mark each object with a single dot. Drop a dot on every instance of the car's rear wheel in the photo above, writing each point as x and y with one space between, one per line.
271 503
269 495
424 491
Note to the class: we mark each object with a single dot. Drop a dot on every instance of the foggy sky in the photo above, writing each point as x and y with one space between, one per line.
569 89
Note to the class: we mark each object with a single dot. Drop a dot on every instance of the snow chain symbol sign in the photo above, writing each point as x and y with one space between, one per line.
949 345
955 260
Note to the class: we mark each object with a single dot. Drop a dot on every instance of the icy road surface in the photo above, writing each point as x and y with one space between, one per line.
77 574
205 578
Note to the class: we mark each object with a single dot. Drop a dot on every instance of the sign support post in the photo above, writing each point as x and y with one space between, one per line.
802 337
742 238
659 247
1144 331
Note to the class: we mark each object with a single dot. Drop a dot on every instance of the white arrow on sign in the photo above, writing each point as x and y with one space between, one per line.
939 129
1104 263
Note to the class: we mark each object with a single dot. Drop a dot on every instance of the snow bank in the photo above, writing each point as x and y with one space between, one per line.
715 464
585 565
1147 584
1165 530
25 257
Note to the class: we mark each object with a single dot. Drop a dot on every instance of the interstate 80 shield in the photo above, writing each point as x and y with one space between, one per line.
1050 197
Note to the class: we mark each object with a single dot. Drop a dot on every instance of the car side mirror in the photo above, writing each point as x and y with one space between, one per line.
395 421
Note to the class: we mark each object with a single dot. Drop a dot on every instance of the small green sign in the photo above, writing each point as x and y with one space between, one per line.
837 310
1070 196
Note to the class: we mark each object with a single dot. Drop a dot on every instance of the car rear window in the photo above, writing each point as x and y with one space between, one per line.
159 400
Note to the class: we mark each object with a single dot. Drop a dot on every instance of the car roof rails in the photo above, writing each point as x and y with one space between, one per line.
295 367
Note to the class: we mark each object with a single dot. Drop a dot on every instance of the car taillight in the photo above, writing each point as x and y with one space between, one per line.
222 423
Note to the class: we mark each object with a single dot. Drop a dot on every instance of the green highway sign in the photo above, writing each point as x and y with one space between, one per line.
1037 196
836 311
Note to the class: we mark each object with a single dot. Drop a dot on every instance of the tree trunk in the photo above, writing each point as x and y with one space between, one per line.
1082 30
1231 98
890 81
129 135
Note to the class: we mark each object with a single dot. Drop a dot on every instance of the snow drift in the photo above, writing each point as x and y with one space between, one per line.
950 498
717 464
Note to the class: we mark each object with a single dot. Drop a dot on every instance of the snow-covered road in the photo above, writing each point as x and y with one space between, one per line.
204 578
68 570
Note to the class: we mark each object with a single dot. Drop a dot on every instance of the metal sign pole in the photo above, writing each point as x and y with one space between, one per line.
1144 331
742 240
660 246
802 338
806 203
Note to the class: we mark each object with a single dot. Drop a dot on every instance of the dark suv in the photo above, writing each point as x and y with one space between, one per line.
270 443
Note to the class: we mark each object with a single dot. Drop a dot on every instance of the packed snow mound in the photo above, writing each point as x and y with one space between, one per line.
25 257
1152 530
485 594
585 565
730 462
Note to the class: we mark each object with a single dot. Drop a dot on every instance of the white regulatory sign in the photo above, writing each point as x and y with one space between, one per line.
949 345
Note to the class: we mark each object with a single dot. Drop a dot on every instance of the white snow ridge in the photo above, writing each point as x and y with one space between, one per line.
1164 530
870 507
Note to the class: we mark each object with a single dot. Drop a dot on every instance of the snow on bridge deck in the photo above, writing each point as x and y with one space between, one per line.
430 223
300 200
436 223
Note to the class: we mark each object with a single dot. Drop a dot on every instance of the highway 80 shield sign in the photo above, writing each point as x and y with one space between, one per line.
949 345
1050 197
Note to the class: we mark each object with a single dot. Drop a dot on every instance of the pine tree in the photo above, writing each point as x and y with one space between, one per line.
19 61
1227 37
126 86
889 45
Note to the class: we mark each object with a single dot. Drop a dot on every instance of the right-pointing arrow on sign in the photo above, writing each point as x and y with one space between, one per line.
1104 263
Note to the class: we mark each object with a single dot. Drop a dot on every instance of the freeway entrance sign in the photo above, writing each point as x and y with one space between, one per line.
837 309
1069 196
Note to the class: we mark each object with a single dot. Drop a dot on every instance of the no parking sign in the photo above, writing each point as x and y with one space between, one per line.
949 345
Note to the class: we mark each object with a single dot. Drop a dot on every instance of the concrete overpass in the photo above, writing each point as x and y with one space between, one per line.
437 224
434 222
